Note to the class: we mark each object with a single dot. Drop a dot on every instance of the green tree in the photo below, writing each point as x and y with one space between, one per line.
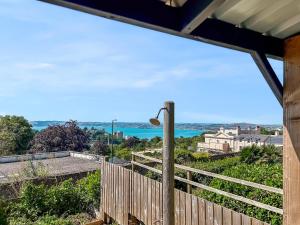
15 135
186 142
100 148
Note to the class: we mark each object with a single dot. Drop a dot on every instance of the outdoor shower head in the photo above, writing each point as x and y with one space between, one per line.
155 121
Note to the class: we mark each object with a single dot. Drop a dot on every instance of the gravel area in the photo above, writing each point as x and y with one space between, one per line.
50 167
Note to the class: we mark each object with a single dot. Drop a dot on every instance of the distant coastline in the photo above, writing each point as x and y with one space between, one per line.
146 130
139 130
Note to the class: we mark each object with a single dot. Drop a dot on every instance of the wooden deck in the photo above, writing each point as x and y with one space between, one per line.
125 193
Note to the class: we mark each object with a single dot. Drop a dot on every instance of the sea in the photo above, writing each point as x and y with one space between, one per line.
140 132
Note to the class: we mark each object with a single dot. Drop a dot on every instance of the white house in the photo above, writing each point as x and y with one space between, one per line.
235 139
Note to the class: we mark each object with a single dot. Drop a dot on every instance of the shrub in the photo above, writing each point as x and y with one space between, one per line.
90 188
124 153
215 166
263 154
270 175
188 142
155 142
3 215
33 200
63 199
80 218
181 156
200 156
155 154
100 148
44 220
53 220
131 142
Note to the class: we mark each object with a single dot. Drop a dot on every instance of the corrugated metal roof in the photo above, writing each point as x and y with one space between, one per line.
277 18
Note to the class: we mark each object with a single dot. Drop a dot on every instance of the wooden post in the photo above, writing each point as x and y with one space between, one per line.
102 212
132 160
168 165
291 144
188 186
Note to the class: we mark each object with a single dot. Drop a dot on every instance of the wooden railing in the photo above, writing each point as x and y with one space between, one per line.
129 194
211 189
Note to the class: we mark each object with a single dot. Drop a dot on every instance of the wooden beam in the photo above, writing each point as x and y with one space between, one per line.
151 14
269 74
228 35
291 132
194 12
156 15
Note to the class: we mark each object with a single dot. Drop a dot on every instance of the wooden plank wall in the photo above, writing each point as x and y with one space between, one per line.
125 192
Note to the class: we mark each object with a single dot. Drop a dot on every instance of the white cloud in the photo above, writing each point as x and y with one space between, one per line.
211 117
33 66
223 118
147 82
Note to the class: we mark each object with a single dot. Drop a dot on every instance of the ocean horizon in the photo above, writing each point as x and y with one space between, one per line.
138 132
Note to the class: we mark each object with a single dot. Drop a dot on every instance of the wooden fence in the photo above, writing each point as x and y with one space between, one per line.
125 193
190 183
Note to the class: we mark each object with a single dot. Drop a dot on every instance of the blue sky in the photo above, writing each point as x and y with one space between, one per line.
59 64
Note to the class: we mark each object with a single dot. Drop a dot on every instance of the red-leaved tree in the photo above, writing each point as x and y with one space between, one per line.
66 137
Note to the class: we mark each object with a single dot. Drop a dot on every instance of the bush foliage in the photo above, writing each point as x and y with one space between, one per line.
264 154
270 175
3 215
100 148
39 204
124 153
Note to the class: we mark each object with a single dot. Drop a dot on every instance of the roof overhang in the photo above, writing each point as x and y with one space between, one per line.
253 26
191 19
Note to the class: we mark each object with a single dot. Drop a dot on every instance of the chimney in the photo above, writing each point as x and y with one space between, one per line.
277 133
257 129
238 130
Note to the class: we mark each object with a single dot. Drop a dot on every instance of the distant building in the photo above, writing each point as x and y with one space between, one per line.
118 135
235 139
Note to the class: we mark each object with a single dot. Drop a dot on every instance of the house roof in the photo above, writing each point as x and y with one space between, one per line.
220 135
276 140
252 137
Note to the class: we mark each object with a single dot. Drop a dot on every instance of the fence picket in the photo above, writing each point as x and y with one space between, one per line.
125 192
